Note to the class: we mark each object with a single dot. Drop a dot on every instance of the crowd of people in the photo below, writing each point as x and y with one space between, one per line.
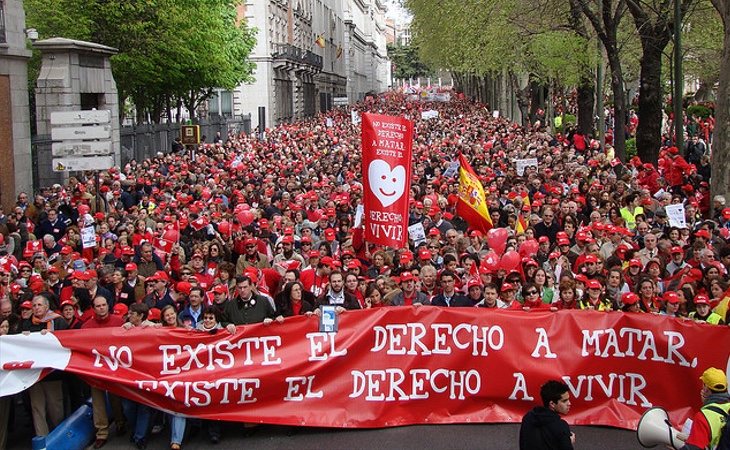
249 229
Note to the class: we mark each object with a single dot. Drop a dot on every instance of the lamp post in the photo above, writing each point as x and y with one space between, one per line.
678 78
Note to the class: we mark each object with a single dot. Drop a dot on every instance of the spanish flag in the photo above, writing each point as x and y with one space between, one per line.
521 225
320 41
472 203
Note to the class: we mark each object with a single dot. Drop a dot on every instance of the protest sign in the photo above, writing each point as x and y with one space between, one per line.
390 366
386 166
522 164
675 214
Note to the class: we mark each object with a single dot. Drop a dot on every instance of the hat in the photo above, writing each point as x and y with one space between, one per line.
582 278
478 234
593 284
66 250
130 267
327 261
329 234
314 254
407 276
264 223
406 257
26 305
635 263
120 309
714 379
159 276
153 314
353 264
424 254
473 282
702 299
287 240
129 251
68 302
554 255
676 249
629 298
434 232
671 297
305 240
183 287
197 255
703 234
726 213
220 289
507 287
543 240
53 269
563 242
590 259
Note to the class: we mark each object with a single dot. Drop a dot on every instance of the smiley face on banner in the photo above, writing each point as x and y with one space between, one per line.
386 184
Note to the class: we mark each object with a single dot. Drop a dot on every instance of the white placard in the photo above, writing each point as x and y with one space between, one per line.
495 114
675 213
355 117
330 122
340 101
524 163
430 114
81 163
81 117
417 234
452 170
81 148
359 212
659 194
88 237
81 133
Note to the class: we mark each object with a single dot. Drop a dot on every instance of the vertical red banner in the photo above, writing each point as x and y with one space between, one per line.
387 143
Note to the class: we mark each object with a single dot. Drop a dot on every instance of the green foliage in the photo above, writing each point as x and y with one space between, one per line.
406 62
699 111
170 51
630 148
702 43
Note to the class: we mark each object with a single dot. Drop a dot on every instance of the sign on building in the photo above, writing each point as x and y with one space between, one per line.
82 140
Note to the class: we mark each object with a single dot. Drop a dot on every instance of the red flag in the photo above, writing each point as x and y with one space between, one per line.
472 202
199 223
163 245
31 248
386 167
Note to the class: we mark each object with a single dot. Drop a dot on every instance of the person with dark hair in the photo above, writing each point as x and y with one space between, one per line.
293 300
247 307
542 427
449 297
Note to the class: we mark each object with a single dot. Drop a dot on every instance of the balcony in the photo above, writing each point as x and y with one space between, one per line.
295 58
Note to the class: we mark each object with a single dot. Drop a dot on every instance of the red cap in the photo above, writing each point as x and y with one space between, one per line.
671 297
677 249
406 257
476 233
120 309
582 278
130 267
554 255
424 254
543 239
66 250
159 275
407 276
329 234
68 302
250 241
590 259
220 289
305 239
287 240
593 284
473 282
327 261
53 269
629 298
154 314
635 263
129 251
183 287
563 242
507 287
314 254
26 305
702 299
434 232
703 234
726 213
264 224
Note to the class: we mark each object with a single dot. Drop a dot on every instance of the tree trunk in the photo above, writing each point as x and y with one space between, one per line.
619 106
586 100
720 181
649 131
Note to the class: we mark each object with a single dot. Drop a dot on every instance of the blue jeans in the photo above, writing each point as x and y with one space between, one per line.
138 417
177 429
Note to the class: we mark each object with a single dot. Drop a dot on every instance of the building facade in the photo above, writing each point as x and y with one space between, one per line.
15 154
307 53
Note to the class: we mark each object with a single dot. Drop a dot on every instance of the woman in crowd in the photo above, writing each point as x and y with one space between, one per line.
293 300
177 423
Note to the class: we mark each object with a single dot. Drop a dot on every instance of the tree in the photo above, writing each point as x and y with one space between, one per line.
406 63
702 48
170 51
654 20
605 18
720 182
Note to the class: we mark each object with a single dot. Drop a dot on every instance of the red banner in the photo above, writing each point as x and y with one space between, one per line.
386 166
392 366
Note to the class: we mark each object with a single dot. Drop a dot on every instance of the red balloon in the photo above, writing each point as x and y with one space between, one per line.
528 248
510 261
491 261
224 228
497 239
245 217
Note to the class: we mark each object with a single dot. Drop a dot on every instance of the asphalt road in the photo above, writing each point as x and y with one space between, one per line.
457 437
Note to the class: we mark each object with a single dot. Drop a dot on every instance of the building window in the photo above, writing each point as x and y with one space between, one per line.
2 22
221 104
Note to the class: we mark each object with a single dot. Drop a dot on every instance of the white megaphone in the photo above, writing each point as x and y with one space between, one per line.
655 428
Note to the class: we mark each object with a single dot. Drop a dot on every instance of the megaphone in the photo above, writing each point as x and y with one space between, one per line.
655 428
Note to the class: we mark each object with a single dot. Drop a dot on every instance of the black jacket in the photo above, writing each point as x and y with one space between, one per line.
543 429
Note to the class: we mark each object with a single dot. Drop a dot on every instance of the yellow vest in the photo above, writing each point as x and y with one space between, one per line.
716 420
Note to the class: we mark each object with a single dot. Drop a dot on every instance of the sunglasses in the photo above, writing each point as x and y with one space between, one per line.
531 293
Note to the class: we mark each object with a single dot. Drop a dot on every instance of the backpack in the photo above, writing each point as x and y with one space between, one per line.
724 442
